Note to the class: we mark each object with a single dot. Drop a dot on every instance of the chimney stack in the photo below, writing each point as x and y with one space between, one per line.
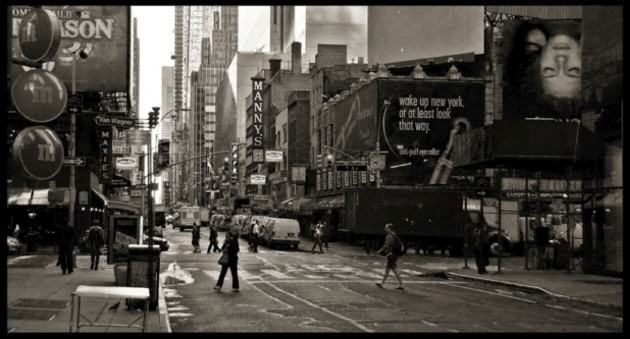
274 66
296 57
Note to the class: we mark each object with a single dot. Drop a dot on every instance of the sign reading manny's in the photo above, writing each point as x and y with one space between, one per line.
257 105
95 38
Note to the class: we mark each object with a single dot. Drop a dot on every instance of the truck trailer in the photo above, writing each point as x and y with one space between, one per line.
423 219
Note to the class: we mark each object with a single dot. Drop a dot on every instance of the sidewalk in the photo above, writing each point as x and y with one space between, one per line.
39 296
576 286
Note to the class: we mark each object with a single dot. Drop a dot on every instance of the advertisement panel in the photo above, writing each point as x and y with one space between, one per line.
355 120
273 156
542 69
418 120
97 38
122 232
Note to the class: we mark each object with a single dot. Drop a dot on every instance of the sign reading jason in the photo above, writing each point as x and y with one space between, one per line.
38 152
95 38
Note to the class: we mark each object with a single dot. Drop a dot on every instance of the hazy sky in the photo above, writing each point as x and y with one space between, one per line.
156 26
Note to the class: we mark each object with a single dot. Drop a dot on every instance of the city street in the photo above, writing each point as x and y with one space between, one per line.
287 291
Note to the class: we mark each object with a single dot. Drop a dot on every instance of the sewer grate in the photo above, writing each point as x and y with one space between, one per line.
41 303
30 314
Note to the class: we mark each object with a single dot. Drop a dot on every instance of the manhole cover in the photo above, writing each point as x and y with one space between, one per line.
30 314
41 303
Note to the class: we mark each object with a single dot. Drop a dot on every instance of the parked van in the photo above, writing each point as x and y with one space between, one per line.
187 216
281 231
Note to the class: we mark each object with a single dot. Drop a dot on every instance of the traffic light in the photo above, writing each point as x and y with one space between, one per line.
330 160
234 164
225 170
153 119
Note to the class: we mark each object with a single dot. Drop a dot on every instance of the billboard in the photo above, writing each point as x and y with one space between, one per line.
542 72
97 38
418 120
355 120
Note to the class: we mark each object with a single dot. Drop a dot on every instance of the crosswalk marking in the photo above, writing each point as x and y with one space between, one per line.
277 274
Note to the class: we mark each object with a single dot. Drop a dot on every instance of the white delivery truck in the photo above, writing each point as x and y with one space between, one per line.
187 216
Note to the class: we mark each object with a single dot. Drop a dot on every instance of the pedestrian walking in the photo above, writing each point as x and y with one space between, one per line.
229 259
324 234
214 244
250 236
195 238
392 249
96 240
65 242
480 249
255 236
317 238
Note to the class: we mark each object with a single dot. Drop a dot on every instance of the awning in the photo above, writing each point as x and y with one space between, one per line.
102 196
325 203
25 197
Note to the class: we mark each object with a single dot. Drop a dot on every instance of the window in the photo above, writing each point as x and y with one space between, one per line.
284 130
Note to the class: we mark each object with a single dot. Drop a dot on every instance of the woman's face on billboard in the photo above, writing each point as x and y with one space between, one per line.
560 63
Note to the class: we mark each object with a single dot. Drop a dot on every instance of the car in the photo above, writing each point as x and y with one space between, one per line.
13 245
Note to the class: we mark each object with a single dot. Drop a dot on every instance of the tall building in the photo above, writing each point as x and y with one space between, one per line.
135 83
218 47
168 103
190 22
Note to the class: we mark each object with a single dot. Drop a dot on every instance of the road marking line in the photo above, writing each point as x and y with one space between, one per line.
501 295
428 323
16 259
412 272
591 313
310 276
180 315
323 309
359 281
277 274
325 288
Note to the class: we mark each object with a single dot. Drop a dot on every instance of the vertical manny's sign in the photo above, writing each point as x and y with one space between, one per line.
258 136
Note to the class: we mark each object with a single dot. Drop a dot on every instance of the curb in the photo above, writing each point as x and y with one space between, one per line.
163 311
532 288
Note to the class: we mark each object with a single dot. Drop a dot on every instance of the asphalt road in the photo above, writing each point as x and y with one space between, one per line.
297 291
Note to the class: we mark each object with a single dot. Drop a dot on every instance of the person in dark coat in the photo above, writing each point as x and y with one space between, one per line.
230 246
214 244
65 241
480 249
195 237
96 240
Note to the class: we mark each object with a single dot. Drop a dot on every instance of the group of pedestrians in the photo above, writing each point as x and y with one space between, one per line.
65 237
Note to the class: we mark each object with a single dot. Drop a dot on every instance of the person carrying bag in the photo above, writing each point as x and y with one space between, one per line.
229 259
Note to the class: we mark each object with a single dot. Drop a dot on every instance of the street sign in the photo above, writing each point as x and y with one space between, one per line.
376 162
298 174
140 187
75 103
154 186
136 192
38 151
39 35
39 96
258 155
73 161
118 122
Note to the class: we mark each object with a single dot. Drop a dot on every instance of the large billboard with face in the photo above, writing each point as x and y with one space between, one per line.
418 120
96 38
542 69
355 120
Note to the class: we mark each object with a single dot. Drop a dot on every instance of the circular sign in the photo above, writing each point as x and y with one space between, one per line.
126 163
39 35
39 96
38 151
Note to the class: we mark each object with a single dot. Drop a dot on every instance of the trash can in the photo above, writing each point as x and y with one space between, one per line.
138 273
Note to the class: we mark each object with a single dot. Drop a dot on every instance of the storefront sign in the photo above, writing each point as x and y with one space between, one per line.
39 35
94 38
126 163
38 151
273 156
258 179
39 96
548 188
105 156
257 104
298 174
138 137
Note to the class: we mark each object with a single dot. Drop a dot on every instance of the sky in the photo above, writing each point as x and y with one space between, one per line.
156 26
